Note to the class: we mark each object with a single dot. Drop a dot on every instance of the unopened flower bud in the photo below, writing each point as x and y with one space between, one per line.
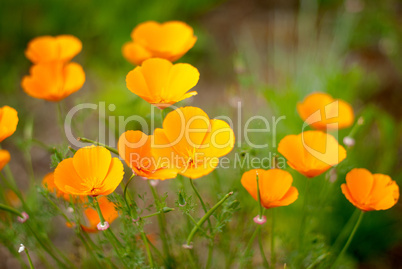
182 201
167 209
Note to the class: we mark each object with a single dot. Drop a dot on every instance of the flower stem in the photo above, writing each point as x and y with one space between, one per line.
162 226
86 140
264 259
304 213
29 258
352 234
259 197
149 255
205 217
201 201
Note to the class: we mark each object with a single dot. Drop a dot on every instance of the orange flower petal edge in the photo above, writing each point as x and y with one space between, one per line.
368 191
8 122
275 187
92 171
45 49
4 158
53 81
135 149
169 40
192 141
161 83
311 153
322 112
48 183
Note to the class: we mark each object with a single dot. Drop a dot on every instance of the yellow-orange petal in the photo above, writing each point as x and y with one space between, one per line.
46 49
113 178
200 169
360 183
53 81
8 122
67 180
169 40
186 128
323 112
4 158
161 83
275 187
311 153
385 192
134 53
92 163
218 141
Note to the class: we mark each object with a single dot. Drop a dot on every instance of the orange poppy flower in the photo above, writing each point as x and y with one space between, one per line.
323 112
108 210
48 183
8 122
275 187
135 149
370 192
92 171
4 158
45 49
311 153
161 83
192 142
53 81
168 40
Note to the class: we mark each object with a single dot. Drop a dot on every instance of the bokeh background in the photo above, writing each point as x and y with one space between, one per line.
266 54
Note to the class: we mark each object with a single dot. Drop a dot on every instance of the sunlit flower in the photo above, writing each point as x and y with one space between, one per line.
4 158
275 187
323 112
135 149
8 122
368 191
108 210
45 49
48 183
53 81
192 142
311 153
168 40
161 83
92 171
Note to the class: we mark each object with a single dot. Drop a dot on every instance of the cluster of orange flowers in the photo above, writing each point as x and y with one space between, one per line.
312 153
53 77
189 142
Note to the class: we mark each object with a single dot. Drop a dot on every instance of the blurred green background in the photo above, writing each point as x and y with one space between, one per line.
268 55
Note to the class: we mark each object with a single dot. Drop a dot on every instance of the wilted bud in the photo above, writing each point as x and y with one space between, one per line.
103 227
24 217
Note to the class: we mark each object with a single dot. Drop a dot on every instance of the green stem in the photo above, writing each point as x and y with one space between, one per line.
10 209
250 242
29 258
264 259
259 197
202 202
273 258
205 217
86 140
352 234
149 255
199 228
304 213
162 226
